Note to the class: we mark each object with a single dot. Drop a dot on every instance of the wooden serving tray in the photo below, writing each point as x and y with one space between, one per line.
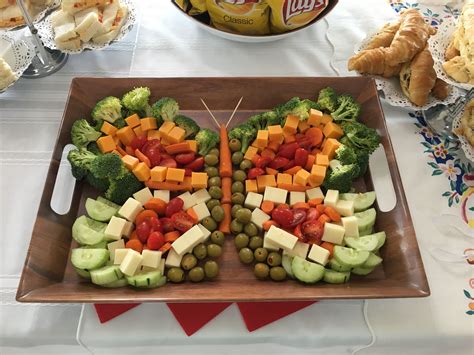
48 275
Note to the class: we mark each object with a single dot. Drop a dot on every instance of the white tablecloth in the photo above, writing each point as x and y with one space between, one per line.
165 44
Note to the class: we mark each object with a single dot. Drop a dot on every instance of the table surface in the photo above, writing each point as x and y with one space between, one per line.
165 44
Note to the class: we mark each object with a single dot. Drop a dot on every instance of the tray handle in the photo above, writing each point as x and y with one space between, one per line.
382 180
63 190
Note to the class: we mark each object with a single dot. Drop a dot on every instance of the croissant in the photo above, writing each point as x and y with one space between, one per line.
384 37
440 89
372 61
451 51
418 77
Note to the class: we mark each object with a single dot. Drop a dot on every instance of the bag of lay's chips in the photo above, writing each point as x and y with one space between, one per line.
183 4
198 7
287 15
249 17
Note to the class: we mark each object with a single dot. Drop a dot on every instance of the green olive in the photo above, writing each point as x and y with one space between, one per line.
274 259
188 262
200 251
211 159
218 237
241 240
238 186
212 203
214 181
260 254
214 250
196 274
214 151
246 165
211 171
251 229
256 242
239 175
217 213
237 158
236 227
234 209
209 224
235 145
244 215
238 198
211 269
215 192
261 271
176 275
246 255
277 273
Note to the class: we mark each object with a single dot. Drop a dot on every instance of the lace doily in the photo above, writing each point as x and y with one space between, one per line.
46 32
18 54
38 15
438 44
466 147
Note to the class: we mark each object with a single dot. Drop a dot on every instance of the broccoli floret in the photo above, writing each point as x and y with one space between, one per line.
137 99
327 99
346 155
245 133
188 124
341 178
271 118
108 109
165 108
106 166
80 160
120 123
100 184
82 133
94 148
312 105
348 109
362 162
360 136
294 107
123 187
206 140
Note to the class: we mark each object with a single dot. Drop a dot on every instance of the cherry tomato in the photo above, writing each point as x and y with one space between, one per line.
175 205
301 157
312 214
184 158
291 163
182 221
299 215
167 224
254 172
297 232
153 153
155 241
187 172
196 165
168 162
283 216
278 163
305 143
155 224
138 142
312 231
262 162
165 155
154 143
143 231
288 150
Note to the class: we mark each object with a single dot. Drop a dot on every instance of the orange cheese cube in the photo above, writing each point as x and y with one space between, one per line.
330 147
315 117
284 179
126 135
318 173
186 184
148 123
322 160
130 161
153 134
166 128
175 175
106 144
271 171
116 152
199 180
139 132
333 130
116 140
289 137
262 138
158 173
250 153
291 124
326 119
301 177
193 146
133 120
265 180
303 126
176 135
275 133
251 186
142 172
108 129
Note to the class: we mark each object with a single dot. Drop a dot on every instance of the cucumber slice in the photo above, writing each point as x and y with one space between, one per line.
350 257
366 219
149 279
367 231
100 245
108 203
336 277
307 271
106 274
337 266
286 261
89 259
83 273
381 236
372 261
87 231
362 271
367 242
99 211
117 283
362 201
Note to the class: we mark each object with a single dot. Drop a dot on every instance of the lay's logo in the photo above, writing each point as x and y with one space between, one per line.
239 2
292 8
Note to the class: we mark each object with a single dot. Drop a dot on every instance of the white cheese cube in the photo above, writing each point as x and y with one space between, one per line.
259 217
314 193
300 249
201 211
281 238
318 254
130 209
128 229
119 255
114 229
119 244
173 259
131 263
188 240
275 194
268 244
188 200
201 196
145 268
333 233
297 196
332 196
334 164
151 258
162 195
205 233
345 208
350 226
253 200
161 268
143 196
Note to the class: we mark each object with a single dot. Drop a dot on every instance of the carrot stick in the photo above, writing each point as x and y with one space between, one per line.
267 206
129 150
134 244
192 214
165 247
290 187
267 224
142 157
224 226
268 153
143 215
225 162
315 202
332 213
293 170
120 150
171 186
226 183
320 208
271 171
255 159
323 219
182 147
171 236
316 135
302 205
157 205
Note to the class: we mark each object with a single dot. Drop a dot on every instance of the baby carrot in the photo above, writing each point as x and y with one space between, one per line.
134 244
143 215
224 226
157 205
142 157
332 213
323 219
302 205
267 207
226 184
315 202
165 247
225 163
328 246
171 236
267 224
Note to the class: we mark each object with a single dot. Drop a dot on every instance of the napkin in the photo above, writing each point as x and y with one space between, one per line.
108 311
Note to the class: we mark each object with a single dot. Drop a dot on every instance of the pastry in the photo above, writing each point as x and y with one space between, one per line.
5 3
87 23
467 123
372 61
73 6
384 37
11 16
6 74
440 89
117 24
